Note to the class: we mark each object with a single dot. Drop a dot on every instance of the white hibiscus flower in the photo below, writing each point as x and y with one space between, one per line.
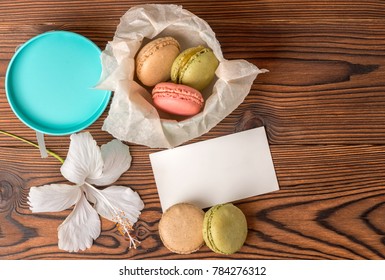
87 164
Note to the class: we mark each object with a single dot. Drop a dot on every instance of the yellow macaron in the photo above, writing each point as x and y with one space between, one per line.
224 228
195 67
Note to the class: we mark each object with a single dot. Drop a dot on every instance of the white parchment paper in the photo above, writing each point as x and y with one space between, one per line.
132 117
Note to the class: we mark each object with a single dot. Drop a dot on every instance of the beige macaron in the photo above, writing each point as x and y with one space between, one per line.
180 228
153 62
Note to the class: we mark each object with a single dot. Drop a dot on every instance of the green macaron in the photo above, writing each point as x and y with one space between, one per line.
194 67
224 228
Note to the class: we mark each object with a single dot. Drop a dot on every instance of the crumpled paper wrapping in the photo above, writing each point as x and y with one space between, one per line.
132 117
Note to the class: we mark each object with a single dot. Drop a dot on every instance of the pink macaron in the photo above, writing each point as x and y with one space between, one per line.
177 99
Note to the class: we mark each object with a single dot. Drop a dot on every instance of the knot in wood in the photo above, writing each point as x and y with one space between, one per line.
10 185
248 120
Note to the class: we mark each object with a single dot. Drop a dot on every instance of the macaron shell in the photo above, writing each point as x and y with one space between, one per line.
177 99
207 228
175 106
180 228
182 60
154 60
200 70
196 68
225 228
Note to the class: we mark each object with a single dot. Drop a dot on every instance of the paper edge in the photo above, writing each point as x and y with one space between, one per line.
274 188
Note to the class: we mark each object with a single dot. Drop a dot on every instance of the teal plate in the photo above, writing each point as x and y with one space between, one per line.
49 83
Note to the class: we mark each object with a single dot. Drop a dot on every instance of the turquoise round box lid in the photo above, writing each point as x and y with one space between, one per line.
50 83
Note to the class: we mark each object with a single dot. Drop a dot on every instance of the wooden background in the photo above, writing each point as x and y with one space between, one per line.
323 106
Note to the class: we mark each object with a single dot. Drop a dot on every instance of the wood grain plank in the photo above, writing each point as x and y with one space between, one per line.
322 104
334 195
56 10
299 93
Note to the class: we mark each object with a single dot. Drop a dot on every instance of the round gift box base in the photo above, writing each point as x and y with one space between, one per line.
50 80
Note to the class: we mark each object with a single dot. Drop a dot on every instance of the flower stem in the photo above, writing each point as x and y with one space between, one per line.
32 144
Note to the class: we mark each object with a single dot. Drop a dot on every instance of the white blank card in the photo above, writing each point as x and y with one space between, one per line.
215 171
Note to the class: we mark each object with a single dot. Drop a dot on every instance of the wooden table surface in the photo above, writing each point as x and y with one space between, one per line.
322 103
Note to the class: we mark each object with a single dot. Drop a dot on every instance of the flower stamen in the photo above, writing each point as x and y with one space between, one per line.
125 228
123 224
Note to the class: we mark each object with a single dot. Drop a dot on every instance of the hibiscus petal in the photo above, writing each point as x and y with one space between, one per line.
117 160
84 159
53 198
116 201
80 228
